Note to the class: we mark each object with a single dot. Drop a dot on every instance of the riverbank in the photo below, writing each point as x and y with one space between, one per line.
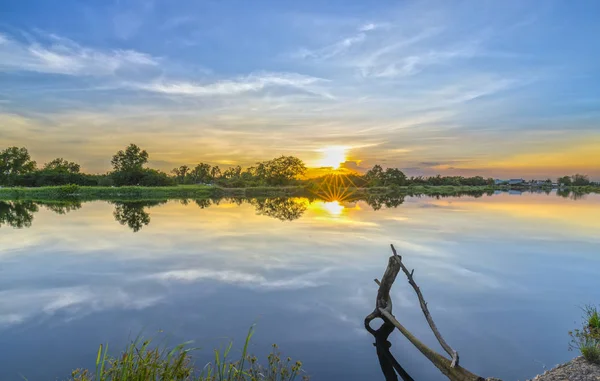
577 369
84 193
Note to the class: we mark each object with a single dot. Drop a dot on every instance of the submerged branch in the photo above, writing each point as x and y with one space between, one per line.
383 310
425 310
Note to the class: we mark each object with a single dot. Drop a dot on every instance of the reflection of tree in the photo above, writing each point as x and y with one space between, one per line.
387 200
132 213
282 208
17 214
61 207
203 202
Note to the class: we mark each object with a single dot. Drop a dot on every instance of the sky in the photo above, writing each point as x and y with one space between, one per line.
495 88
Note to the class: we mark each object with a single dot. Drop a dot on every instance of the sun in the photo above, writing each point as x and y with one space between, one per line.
333 156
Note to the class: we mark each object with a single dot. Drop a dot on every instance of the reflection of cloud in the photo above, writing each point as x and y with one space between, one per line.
312 279
16 306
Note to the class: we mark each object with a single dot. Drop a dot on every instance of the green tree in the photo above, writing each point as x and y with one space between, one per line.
233 172
580 180
181 173
565 180
61 165
201 173
14 161
215 172
281 170
132 159
375 175
394 176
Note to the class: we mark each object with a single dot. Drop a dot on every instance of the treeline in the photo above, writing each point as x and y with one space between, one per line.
17 169
577 180
390 177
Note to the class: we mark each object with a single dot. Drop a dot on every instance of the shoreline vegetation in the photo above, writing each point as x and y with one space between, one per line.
142 360
92 193
281 176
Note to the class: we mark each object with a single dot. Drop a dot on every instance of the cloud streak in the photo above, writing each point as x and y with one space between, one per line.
250 83
63 56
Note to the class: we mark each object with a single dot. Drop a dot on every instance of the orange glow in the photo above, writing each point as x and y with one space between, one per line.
333 156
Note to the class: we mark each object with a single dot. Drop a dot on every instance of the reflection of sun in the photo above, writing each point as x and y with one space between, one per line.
333 156
333 207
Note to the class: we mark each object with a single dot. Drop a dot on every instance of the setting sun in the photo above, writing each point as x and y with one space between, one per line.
333 156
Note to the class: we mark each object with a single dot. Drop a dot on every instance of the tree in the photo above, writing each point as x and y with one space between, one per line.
374 175
394 176
565 180
14 161
201 173
281 170
181 173
215 172
580 180
233 172
132 159
61 165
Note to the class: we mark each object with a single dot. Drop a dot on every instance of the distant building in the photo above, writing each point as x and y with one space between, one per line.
500 182
516 181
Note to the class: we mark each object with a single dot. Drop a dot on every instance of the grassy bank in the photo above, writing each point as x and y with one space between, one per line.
142 193
205 191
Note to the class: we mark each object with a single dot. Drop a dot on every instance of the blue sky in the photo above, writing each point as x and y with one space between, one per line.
500 88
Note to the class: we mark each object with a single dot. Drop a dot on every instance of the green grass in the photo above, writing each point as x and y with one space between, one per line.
141 361
138 192
587 339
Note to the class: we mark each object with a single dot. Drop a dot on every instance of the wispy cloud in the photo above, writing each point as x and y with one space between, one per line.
332 50
250 83
58 55
16 306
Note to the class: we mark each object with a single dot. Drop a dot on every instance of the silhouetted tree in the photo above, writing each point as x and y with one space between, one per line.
62 165
565 180
580 180
280 171
132 159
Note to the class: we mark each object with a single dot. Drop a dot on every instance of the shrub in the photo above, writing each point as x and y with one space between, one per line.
587 339
67 190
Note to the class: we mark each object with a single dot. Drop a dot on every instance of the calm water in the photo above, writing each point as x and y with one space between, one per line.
504 276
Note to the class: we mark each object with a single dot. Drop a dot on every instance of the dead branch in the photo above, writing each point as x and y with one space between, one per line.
383 310
425 310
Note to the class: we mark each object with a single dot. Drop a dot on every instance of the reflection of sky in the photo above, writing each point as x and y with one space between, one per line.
504 276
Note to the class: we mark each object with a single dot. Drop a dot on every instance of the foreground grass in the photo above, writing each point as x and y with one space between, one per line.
587 339
140 361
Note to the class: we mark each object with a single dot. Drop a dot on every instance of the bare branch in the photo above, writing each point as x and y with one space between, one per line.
425 310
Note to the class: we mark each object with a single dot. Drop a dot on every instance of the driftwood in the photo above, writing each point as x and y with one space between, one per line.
383 310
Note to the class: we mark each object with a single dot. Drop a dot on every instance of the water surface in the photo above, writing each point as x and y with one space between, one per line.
504 276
